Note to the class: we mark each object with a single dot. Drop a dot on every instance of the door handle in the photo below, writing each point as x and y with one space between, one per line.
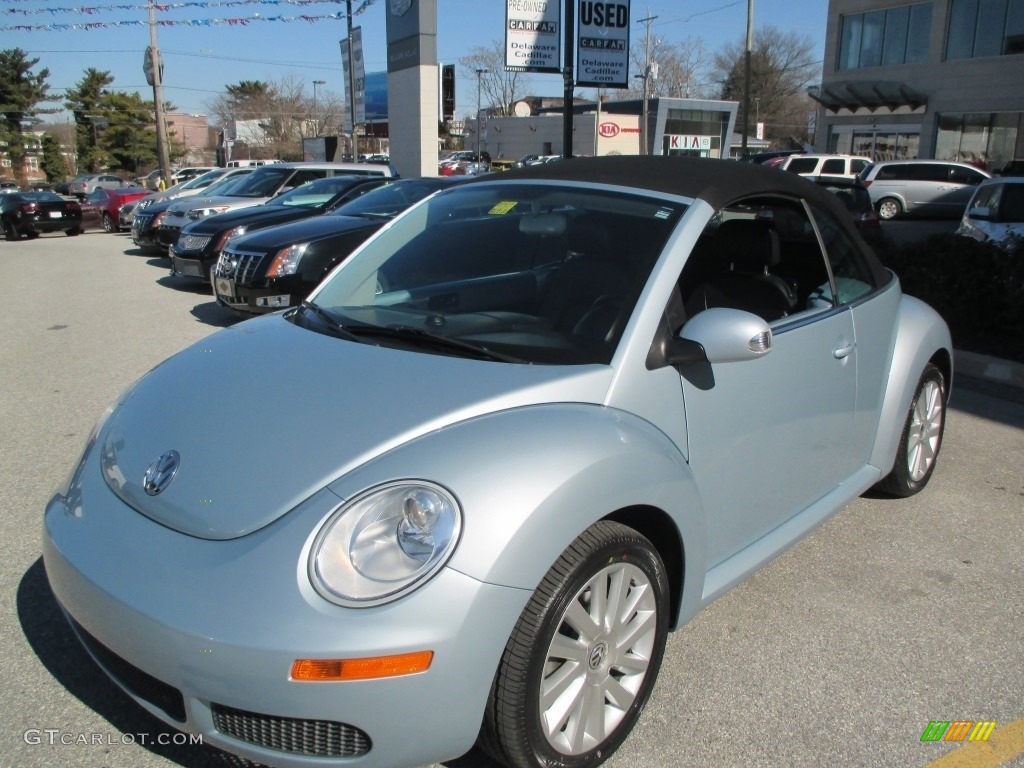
844 350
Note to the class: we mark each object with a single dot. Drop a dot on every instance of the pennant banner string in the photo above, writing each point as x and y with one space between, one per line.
163 7
235 22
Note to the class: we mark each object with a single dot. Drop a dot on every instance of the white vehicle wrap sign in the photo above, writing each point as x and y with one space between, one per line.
602 44
533 39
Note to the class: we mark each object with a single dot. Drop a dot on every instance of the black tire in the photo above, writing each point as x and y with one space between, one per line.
109 224
921 439
31 234
11 231
546 648
72 232
888 208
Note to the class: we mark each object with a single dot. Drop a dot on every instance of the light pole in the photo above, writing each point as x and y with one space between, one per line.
479 73
316 123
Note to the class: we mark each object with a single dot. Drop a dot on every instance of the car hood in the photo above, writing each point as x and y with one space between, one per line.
307 230
264 414
266 215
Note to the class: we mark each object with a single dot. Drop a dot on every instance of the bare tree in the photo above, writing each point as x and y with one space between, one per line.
499 88
781 66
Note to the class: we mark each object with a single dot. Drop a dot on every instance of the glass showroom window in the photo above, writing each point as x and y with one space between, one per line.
980 28
888 37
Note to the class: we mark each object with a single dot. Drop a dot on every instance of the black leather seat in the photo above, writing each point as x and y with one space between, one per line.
745 253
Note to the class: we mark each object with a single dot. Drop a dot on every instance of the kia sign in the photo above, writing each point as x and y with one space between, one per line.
608 130
602 44
533 41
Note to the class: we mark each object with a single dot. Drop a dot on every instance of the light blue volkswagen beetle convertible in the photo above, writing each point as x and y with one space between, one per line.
460 496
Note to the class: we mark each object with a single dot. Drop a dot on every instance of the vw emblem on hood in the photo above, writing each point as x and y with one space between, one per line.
160 473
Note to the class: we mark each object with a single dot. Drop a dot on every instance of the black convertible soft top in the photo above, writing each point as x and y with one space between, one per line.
718 182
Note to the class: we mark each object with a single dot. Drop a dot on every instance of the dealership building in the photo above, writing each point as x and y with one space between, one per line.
697 127
939 79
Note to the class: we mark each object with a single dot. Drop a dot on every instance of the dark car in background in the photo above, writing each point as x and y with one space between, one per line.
200 243
279 266
30 213
101 209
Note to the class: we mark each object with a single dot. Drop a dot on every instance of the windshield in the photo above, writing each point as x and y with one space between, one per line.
205 180
228 185
317 193
538 273
263 182
391 198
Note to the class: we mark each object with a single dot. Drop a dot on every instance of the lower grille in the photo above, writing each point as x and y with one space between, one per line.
322 738
142 684
188 268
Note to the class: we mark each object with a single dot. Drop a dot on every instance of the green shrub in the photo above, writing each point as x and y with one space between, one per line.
976 287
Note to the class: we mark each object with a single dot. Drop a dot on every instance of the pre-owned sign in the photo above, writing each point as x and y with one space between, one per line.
602 44
533 41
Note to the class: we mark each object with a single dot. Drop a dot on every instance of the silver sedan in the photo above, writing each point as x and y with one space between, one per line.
460 496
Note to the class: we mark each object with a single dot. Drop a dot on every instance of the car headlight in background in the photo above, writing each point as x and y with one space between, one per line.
286 261
223 240
201 213
384 543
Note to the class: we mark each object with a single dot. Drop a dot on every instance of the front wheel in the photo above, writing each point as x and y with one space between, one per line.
584 656
922 437
889 208
108 223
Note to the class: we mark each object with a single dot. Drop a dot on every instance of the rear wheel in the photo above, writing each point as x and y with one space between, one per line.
889 208
922 437
583 658
11 231
108 223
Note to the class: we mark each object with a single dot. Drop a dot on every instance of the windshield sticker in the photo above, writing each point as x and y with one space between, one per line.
502 208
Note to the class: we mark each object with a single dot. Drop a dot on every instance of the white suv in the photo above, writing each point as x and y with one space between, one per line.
847 166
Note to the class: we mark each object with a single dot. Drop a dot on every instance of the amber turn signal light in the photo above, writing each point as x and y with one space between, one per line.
326 670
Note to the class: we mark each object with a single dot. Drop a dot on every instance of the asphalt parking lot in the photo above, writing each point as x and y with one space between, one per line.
893 614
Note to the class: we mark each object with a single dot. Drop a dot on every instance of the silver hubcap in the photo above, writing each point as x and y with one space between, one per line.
925 428
598 658
888 210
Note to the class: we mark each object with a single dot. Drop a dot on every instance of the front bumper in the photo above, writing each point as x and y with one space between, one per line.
167 235
144 235
257 300
203 634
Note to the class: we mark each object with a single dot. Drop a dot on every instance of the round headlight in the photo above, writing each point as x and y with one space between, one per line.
384 543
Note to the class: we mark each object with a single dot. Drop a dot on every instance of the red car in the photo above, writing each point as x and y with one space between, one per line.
102 208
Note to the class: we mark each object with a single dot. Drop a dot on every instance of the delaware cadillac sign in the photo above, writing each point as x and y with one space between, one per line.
532 35
602 44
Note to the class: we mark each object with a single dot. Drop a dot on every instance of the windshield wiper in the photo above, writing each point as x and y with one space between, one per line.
426 338
333 325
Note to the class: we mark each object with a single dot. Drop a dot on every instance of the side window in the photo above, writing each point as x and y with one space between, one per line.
97 196
302 176
986 197
965 175
834 166
802 165
760 255
857 165
851 275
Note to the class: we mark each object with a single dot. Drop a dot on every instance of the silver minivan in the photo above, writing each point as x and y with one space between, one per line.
931 187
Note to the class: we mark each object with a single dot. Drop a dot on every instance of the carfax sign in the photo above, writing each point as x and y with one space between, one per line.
602 44
533 35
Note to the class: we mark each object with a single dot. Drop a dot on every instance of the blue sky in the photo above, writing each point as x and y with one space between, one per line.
200 60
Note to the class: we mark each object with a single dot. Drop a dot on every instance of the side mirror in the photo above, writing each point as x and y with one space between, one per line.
727 335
